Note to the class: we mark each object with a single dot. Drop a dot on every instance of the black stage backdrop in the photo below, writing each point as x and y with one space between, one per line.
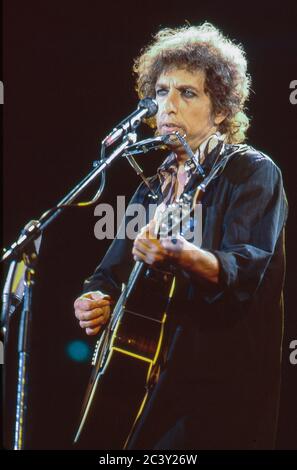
67 78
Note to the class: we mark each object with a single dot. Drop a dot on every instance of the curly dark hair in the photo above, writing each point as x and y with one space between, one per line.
201 48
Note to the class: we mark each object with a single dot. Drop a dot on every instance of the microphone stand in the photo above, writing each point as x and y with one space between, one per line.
23 249
23 352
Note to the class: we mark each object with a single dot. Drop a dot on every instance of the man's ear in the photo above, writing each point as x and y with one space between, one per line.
219 118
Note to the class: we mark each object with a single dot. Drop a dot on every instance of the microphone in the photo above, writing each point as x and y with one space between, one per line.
146 108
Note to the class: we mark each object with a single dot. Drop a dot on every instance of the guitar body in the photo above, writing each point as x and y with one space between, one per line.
127 360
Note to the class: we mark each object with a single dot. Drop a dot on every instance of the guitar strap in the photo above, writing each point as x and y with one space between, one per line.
220 164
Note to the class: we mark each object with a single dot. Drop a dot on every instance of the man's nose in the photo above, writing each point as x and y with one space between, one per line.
171 105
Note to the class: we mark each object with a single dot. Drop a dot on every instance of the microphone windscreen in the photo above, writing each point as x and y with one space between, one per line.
150 104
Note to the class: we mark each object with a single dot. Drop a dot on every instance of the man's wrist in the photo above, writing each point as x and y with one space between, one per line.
85 294
200 263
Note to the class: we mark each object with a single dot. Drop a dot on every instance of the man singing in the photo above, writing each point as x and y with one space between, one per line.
219 389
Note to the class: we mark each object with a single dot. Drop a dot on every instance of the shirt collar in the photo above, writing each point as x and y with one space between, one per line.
203 153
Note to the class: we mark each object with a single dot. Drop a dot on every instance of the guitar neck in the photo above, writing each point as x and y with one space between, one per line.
137 268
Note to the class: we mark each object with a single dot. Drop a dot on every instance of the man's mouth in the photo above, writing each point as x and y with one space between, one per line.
171 127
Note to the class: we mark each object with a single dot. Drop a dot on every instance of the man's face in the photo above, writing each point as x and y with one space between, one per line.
184 106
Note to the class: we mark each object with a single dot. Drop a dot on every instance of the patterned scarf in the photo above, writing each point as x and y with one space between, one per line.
174 178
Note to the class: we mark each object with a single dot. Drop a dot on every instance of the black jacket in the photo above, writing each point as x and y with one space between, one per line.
221 385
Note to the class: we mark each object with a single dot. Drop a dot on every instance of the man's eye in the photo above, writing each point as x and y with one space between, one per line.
188 93
161 92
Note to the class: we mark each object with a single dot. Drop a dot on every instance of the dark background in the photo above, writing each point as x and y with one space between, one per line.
67 77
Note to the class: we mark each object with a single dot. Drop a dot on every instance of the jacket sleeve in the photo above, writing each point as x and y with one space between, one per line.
252 227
